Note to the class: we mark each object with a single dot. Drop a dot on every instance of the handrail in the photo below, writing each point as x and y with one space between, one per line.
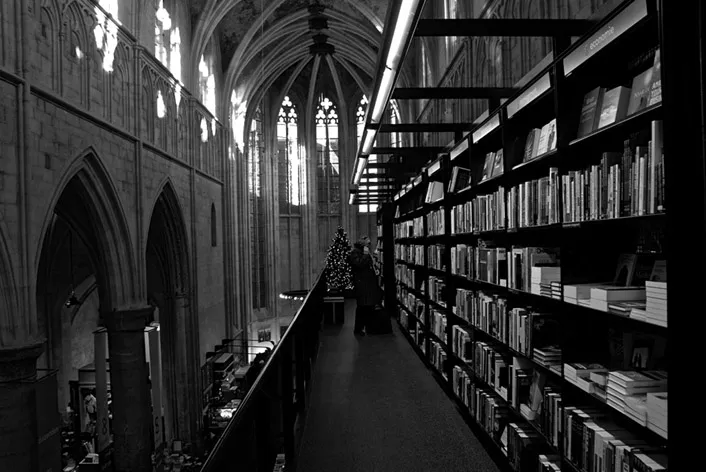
273 366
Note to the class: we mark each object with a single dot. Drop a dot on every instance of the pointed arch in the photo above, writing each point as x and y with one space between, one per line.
107 220
167 196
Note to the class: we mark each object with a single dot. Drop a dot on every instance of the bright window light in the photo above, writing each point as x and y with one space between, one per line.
161 109
204 130
177 95
163 16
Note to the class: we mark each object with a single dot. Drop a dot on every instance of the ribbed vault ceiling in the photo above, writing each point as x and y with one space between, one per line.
266 42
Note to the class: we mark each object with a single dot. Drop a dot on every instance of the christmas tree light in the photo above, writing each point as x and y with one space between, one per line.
339 274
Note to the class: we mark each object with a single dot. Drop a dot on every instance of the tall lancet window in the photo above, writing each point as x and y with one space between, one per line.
328 175
292 173
258 222
360 127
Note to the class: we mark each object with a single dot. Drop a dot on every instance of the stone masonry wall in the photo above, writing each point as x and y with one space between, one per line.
84 85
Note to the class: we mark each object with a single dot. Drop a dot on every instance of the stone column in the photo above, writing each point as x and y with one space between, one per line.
182 353
132 418
18 407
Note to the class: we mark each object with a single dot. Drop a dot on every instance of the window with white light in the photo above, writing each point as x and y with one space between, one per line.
167 40
328 175
161 109
292 171
106 32
207 81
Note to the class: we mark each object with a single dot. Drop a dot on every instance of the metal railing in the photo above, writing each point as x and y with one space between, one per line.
269 421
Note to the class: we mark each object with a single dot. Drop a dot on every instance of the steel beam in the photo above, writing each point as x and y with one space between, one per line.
504 27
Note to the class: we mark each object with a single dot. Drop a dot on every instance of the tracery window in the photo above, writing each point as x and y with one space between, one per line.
292 172
167 41
328 175
258 222
207 82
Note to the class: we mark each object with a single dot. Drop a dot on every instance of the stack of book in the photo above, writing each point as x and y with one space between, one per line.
603 296
656 302
624 384
556 289
549 356
579 294
636 408
542 278
582 375
650 461
549 463
657 412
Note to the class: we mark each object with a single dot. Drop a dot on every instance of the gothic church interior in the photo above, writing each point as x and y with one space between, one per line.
183 162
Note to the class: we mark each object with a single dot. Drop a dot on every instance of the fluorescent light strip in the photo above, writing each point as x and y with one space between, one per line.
360 167
402 26
383 95
370 136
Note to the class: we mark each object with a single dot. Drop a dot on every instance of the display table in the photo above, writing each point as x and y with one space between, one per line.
333 310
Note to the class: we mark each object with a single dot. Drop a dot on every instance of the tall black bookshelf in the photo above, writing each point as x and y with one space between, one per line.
510 287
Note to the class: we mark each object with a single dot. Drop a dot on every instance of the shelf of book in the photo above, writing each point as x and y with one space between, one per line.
621 127
554 219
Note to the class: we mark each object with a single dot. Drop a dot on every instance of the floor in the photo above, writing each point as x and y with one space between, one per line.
375 407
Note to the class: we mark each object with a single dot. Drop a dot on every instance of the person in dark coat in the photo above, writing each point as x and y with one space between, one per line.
367 291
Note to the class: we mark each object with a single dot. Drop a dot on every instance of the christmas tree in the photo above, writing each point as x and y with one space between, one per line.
339 275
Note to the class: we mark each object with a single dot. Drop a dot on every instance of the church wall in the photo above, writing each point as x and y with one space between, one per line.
123 105
209 268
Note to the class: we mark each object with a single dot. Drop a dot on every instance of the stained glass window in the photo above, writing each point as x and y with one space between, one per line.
328 175
291 162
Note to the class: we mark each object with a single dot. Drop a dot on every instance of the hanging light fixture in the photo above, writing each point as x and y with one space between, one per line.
72 300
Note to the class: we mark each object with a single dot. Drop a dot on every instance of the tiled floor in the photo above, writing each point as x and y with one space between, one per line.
375 407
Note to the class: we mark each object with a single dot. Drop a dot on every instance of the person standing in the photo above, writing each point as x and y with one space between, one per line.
367 291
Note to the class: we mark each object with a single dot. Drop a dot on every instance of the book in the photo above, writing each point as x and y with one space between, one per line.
460 179
656 86
498 164
640 91
531 144
590 109
614 106
488 166
547 138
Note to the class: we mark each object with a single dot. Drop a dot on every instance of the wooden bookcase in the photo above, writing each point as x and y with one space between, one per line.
589 246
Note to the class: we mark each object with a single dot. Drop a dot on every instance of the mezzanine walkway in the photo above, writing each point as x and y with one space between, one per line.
375 407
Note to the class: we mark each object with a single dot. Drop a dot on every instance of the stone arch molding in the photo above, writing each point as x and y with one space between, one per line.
166 192
110 226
